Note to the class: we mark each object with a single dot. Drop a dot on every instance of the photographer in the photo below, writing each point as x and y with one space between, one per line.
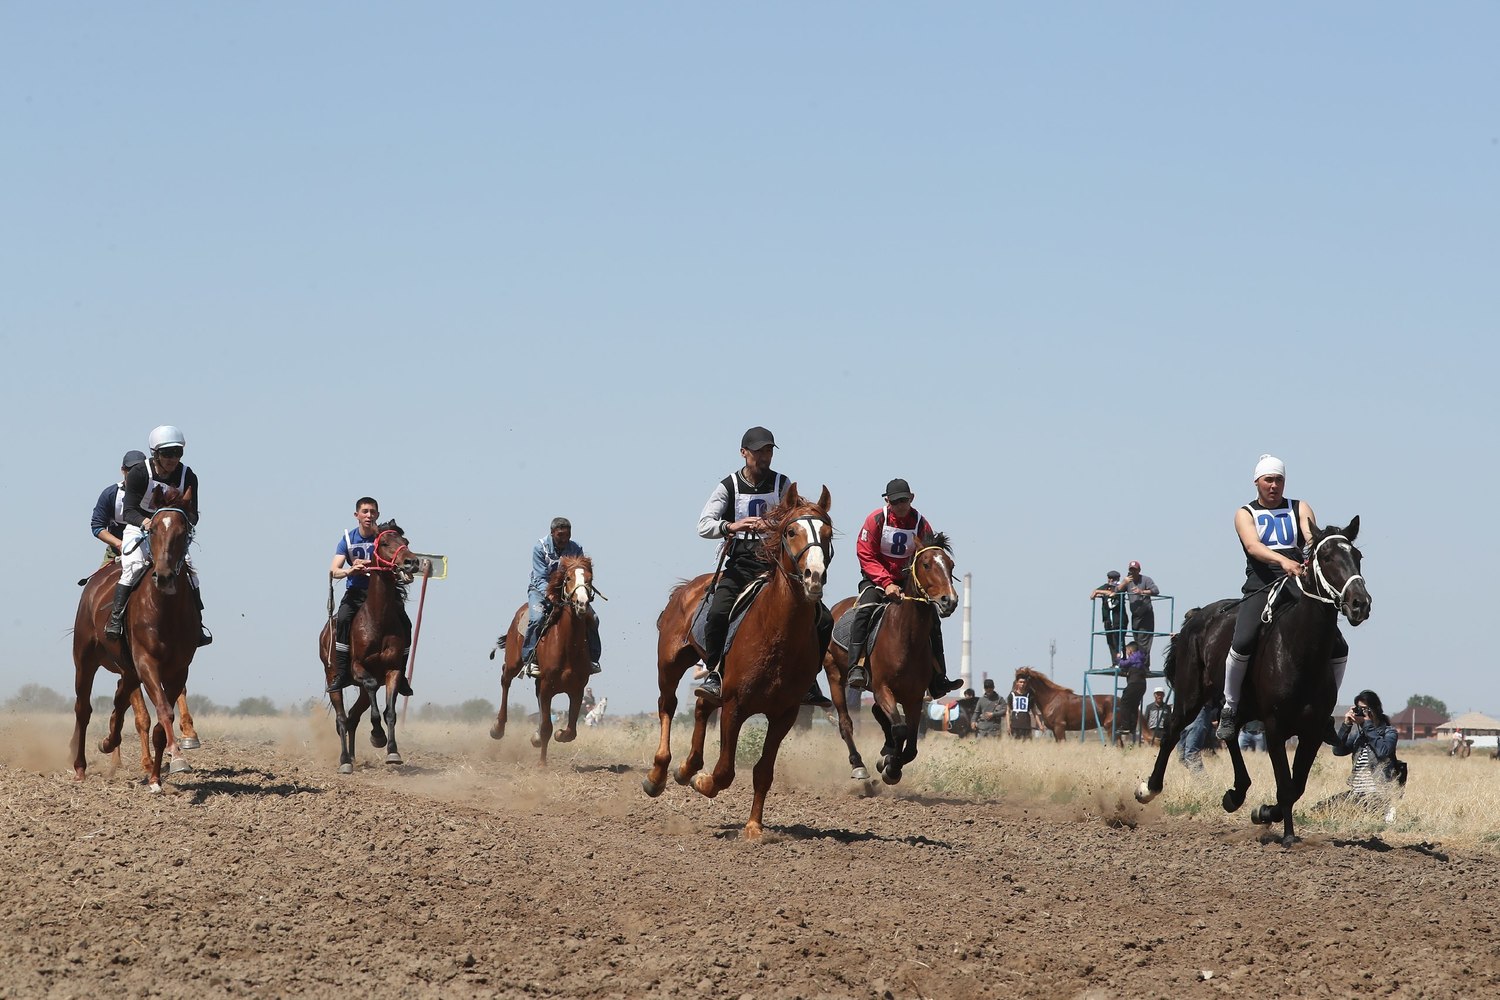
1368 736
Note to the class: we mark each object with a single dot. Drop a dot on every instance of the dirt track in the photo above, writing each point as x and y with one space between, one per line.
467 873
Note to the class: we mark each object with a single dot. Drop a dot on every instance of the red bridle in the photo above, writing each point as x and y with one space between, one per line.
389 565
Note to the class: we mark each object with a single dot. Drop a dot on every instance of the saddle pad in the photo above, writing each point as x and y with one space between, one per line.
736 614
843 629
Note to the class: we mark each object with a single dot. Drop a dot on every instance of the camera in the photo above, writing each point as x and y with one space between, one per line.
1360 713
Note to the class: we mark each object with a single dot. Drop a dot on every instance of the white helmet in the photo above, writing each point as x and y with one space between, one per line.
166 436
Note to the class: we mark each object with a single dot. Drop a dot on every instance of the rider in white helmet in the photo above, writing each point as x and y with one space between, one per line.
162 480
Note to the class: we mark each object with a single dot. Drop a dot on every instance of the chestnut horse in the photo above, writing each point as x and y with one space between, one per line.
902 661
379 641
189 739
161 635
770 665
562 653
1289 685
1062 709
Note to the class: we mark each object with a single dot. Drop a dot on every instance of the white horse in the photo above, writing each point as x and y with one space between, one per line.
596 714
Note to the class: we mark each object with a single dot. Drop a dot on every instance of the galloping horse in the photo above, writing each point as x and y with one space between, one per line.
562 653
379 641
161 635
902 661
1289 685
769 666
1062 709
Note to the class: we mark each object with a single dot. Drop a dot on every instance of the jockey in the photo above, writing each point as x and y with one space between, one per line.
545 557
353 553
888 541
735 511
1274 532
156 482
108 521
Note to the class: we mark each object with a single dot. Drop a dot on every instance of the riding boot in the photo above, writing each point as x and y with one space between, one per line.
711 688
116 627
342 677
815 696
941 685
204 635
528 647
859 633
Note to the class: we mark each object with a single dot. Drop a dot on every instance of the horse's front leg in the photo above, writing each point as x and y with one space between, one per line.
377 732
345 731
722 776
569 732
912 710
693 762
1234 797
392 682
1171 734
83 710
126 695
885 711
142 719
669 673
189 740
171 696
765 770
543 734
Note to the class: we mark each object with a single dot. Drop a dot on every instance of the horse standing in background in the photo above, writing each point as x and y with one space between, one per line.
562 652
770 664
1062 709
1289 685
162 625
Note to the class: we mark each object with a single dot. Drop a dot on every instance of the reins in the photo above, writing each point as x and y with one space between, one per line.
911 571
1316 564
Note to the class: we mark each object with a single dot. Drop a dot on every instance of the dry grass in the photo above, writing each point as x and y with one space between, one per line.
1447 800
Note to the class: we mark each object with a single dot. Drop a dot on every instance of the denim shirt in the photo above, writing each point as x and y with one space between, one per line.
544 559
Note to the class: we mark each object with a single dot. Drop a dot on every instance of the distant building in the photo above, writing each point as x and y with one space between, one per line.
1417 722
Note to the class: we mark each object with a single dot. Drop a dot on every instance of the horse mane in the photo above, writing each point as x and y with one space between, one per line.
779 517
564 568
940 540
1042 680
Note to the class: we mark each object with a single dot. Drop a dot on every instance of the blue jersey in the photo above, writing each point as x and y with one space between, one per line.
352 545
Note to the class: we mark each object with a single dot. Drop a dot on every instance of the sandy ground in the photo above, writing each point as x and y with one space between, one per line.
468 872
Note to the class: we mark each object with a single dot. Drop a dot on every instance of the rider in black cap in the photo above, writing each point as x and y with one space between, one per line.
735 511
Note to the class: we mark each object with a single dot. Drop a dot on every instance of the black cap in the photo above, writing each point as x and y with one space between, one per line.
1113 574
132 459
989 682
897 489
757 438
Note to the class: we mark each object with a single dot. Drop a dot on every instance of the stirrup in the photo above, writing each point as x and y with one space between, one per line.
711 688
204 635
594 667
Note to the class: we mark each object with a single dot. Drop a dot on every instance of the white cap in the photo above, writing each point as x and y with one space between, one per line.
1158 690
1270 465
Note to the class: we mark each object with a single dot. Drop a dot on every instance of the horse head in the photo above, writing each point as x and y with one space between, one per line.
572 582
391 548
171 531
929 575
799 539
1335 568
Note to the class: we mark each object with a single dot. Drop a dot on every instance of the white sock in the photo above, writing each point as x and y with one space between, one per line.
1338 664
1234 678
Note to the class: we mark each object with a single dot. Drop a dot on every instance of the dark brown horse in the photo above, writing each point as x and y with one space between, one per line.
161 635
562 653
1289 685
769 667
902 661
379 641
1062 709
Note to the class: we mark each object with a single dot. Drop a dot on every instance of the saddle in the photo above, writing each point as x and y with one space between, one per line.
843 629
699 627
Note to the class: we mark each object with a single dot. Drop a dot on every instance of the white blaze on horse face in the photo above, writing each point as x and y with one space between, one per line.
814 567
580 589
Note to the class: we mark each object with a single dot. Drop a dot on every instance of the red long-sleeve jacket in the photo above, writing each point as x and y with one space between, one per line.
879 566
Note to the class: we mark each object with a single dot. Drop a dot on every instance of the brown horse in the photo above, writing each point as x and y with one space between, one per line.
769 667
562 653
1062 709
902 662
379 641
161 635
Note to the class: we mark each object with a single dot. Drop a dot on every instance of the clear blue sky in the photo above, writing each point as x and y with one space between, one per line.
1067 268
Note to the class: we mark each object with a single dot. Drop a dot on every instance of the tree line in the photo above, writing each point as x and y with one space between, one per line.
37 698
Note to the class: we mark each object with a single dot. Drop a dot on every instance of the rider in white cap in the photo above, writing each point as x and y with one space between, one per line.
1274 532
162 480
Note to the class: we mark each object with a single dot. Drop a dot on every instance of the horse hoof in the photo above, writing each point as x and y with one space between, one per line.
178 765
653 790
346 769
155 788
860 774
377 740
566 736
880 764
536 739
394 758
891 776
682 777
1233 799
1144 794
496 733
703 784
189 743
753 830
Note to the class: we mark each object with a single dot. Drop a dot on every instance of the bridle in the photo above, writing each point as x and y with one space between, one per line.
1337 598
393 564
916 581
814 526
145 535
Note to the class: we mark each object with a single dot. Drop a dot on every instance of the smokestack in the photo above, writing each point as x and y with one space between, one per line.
966 664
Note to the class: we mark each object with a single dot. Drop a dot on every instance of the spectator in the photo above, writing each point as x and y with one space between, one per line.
1142 617
1458 743
1023 720
1368 736
1132 664
963 721
587 705
1253 736
989 711
1112 610
1155 726
1196 737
